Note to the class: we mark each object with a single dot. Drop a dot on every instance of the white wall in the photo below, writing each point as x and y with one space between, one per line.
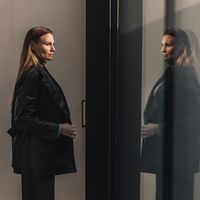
67 19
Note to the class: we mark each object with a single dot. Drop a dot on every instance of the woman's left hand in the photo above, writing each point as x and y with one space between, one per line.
149 130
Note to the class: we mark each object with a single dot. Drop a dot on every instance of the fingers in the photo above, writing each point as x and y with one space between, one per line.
73 133
73 128
145 135
144 132
149 130
68 130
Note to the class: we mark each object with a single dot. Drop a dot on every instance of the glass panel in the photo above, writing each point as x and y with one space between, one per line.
186 13
153 26
179 145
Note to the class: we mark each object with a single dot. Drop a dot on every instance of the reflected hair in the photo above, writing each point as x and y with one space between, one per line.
28 57
183 50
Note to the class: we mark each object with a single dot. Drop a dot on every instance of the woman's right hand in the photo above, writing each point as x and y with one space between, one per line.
68 130
149 130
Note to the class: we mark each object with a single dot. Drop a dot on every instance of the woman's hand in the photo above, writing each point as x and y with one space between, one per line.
149 130
68 130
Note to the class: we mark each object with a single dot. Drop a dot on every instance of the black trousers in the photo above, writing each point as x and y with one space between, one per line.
37 187
178 186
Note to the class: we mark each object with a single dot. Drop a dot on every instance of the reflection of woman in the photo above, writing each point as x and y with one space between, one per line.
42 134
171 132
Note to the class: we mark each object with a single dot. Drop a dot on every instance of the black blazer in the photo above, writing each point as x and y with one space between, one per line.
39 106
174 104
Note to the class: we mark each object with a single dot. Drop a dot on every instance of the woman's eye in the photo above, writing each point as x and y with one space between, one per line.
46 43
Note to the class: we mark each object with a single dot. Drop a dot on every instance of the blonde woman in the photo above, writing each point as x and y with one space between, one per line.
42 132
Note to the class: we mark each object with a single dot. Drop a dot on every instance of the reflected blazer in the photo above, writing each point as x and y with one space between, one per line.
174 104
38 107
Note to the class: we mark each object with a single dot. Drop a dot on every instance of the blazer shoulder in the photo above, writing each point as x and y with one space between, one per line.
185 73
180 69
35 73
32 74
187 78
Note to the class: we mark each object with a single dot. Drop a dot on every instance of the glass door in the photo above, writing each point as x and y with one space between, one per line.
175 144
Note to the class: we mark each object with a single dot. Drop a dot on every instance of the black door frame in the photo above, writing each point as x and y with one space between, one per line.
97 100
113 98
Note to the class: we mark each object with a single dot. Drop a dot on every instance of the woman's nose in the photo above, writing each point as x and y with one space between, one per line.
162 48
53 48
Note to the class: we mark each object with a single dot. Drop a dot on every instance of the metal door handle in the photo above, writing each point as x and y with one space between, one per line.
83 116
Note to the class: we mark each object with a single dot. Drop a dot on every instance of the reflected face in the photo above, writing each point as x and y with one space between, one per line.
167 47
44 48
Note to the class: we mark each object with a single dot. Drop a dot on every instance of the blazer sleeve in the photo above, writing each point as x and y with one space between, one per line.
25 117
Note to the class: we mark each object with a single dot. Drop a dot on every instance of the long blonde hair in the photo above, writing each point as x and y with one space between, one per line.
28 58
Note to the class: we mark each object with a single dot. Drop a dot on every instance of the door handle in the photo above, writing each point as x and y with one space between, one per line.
83 111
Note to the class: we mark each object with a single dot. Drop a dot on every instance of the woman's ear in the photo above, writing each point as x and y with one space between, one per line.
33 45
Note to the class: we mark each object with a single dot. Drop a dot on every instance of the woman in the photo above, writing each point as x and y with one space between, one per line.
171 147
42 132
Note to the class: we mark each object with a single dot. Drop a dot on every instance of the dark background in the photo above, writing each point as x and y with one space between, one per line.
113 98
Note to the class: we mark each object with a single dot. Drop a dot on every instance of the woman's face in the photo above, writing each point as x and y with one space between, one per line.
167 47
44 48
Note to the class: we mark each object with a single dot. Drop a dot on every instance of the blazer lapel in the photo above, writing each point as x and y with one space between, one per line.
55 91
163 79
152 93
